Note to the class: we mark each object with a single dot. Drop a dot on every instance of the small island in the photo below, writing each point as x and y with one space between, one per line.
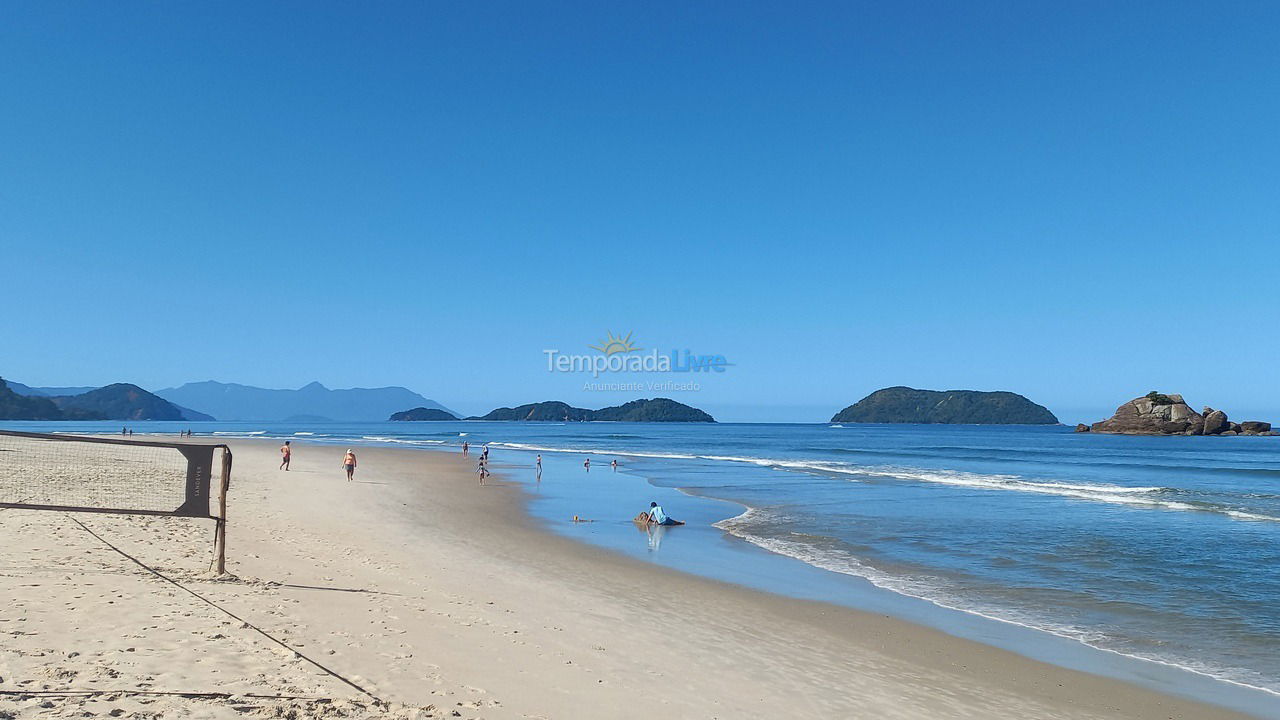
958 407
1159 414
655 410
420 414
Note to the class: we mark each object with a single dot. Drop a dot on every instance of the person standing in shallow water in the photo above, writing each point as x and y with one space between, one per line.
286 453
349 464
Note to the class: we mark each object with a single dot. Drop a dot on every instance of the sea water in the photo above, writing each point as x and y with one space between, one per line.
1163 550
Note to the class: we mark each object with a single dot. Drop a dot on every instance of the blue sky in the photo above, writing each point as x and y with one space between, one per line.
1074 201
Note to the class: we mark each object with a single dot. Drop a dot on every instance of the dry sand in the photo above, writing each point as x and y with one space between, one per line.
439 598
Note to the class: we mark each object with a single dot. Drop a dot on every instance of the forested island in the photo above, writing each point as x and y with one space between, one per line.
420 414
655 410
967 407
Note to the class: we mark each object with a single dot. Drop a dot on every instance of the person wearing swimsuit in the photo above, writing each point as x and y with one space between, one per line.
349 464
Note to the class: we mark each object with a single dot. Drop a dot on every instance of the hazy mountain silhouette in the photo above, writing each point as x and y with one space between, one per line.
235 402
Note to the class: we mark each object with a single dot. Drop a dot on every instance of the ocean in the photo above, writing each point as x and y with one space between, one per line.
1156 559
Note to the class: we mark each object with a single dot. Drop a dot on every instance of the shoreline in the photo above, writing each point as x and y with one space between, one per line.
839 587
461 576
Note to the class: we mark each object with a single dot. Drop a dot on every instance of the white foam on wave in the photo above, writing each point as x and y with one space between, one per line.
400 441
933 591
303 433
1145 496
801 465
237 432
1251 516
1131 496
812 465
595 451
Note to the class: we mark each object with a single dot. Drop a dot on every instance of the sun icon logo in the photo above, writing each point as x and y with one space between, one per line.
613 345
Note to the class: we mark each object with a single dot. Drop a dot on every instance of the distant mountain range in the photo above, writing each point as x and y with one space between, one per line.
224 401
310 403
47 391
655 410
17 406
120 401
971 407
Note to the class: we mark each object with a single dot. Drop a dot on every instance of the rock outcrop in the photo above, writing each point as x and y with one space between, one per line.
1081 427
1215 422
1159 414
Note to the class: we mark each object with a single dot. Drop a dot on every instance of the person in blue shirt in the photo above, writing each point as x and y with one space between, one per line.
658 517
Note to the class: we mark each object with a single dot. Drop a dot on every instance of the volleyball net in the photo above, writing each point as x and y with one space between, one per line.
76 473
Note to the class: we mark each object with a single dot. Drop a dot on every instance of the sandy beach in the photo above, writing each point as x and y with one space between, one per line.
415 592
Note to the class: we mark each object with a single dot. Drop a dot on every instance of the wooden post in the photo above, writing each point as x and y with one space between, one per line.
220 537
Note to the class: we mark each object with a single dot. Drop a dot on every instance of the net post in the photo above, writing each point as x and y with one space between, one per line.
220 538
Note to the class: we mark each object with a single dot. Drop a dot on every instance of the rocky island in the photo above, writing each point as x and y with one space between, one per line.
968 407
419 414
655 410
1158 414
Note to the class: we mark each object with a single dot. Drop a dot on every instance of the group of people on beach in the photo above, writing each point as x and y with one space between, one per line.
348 460
483 466
655 515
586 464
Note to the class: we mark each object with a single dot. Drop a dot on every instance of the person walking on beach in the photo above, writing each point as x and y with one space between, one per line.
614 465
587 464
538 464
483 468
286 452
349 464
466 448
485 453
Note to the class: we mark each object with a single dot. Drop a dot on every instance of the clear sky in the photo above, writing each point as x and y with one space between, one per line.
1076 201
